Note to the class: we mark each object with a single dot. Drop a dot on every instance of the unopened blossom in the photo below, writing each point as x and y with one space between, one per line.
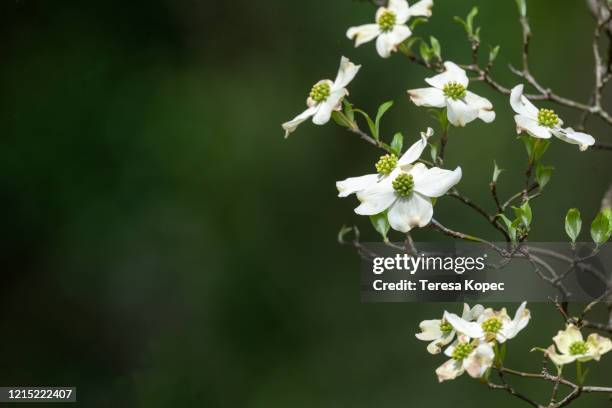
384 167
543 123
325 97
406 193
572 346
390 29
491 324
473 356
440 332
449 90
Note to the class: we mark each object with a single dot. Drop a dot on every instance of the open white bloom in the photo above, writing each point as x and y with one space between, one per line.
572 346
475 357
407 195
543 123
390 26
385 166
449 90
492 325
440 332
325 97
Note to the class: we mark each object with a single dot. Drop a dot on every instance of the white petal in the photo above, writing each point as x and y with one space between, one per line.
521 105
453 73
421 9
414 152
479 360
435 182
559 359
429 97
598 345
415 170
521 319
460 113
569 135
409 212
523 123
387 42
470 329
565 338
435 347
325 108
484 106
355 184
294 123
473 313
430 330
449 370
399 33
346 73
400 8
376 199
363 33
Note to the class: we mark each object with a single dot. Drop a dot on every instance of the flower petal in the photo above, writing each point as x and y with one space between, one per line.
453 73
346 73
409 212
484 106
414 152
470 329
460 113
473 313
363 33
523 123
521 105
430 330
449 370
421 9
569 135
400 9
565 338
387 42
325 109
598 345
479 360
429 97
520 321
377 198
558 359
355 184
294 123
435 182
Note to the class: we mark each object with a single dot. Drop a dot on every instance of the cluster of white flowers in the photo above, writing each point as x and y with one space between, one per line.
478 332
403 188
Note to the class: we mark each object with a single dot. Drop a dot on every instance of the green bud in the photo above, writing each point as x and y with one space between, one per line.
320 92
403 184
548 118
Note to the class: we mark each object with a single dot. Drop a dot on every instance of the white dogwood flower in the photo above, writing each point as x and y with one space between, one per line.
475 357
492 325
440 332
543 123
390 29
384 167
572 346
325 97
449 90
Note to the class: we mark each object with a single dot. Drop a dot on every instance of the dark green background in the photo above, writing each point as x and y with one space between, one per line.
163 245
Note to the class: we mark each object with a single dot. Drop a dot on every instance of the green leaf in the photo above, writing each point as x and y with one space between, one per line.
573 224
535 147
416 22
511 226
397 143
601 229
522 7
348 110
433 151
523 213
496 171
370 122
435 47
543 174
608 213
462 22
493 53
341 119
469 21
425 51
381 111
380 224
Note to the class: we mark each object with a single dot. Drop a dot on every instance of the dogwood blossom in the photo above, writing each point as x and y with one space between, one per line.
325 97
475 357
390 29
449 90
385 166
440 332
572 346
543 123
492 325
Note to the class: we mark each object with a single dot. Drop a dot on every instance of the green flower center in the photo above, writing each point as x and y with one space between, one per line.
454 90
578 347
320 92
403 184
492 325
445 327
462 351
547 117
387 20
386 163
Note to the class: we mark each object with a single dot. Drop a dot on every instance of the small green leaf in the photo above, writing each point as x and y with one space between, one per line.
341 119
601 229
436 48
511 226
469 21
523 213
416 22
608 213
522 7
348 110
462 22
493 53
381 111
425 51
433 151
535 147
369 121
496 171
380 224
397 143
573 224
543 174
